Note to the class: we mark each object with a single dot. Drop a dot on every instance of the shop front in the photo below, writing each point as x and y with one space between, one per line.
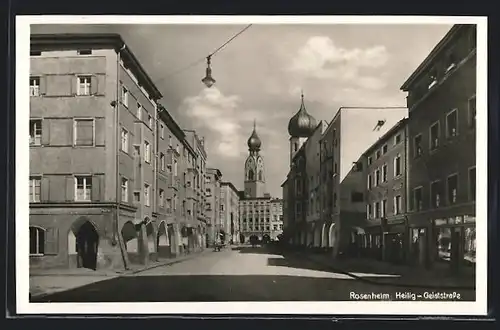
454 241
394 240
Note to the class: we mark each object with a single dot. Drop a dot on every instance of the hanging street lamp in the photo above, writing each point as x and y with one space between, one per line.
208 80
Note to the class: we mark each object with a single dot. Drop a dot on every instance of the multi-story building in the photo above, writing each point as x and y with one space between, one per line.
197 195
212 206
384 166
91 205
340 146
442 151
98 131
256 206
228 212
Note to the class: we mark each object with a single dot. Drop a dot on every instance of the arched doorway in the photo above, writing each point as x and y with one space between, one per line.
162 241
150 237
129 234
324 236
331 236
87 242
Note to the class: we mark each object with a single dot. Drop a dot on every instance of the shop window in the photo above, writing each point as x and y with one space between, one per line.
443 244
470 245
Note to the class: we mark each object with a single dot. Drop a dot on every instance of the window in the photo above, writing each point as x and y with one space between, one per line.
34 86
208 192
84 52
137 196
35 132
433 78
124 135
384 149
417 197
37 241
83 188
170 140
451 62
472 112
168 206
436 194
146 194
150 121
397 139
35 184
377 154
83 87
384 173
397 204
377 177
162 131
376 207
137 150
369 211
370 160
124 190
434 136
452 188
147 152
125 96
84 132
162 161
175 168
472 183
418 145
397 166
139 111
161 198
452 124
384 208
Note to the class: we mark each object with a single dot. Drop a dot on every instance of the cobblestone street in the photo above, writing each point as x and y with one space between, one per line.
243 274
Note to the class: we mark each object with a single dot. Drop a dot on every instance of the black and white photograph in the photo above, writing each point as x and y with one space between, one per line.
251 165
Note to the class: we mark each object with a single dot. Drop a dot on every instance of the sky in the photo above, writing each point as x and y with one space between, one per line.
260 74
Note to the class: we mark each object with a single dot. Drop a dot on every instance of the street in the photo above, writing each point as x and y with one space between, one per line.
241 274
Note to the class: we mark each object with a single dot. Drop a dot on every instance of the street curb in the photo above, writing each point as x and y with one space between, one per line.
113 276
406 285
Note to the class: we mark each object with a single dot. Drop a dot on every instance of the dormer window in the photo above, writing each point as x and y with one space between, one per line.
451 62
432 78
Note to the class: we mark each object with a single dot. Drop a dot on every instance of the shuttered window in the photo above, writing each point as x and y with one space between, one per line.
83 188
35 191
37 241
84 132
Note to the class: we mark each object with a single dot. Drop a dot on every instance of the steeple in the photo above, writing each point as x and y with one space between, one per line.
254 142
301 124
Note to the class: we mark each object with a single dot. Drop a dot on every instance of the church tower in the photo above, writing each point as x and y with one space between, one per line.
300 127
255 180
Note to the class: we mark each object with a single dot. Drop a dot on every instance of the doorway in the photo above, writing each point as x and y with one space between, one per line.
87 241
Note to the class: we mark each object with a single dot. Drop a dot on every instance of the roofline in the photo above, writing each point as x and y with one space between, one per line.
216 170
230 185
39 41
400 124
432 55
170 122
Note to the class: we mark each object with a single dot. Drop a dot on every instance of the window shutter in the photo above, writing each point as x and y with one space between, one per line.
45 132
96 188
44 189
72 83
93 85
70 188
51 241
43 85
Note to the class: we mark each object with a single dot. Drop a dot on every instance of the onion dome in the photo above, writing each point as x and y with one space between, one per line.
302 124
254 142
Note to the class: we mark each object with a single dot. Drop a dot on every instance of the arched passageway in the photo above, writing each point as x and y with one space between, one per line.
87 243
130 238
331 236
151 239
324 236
317 235
163 241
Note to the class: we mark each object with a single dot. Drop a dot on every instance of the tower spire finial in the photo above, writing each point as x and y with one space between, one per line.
302 94
254 123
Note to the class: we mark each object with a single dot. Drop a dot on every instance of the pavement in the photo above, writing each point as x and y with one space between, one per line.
45 282
247 274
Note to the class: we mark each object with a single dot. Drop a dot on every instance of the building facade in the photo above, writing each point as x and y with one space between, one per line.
322 158
212 206
442 152
385 231
229 211
105 157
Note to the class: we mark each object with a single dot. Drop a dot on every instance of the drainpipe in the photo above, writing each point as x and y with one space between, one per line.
121 243
407 194
155 167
